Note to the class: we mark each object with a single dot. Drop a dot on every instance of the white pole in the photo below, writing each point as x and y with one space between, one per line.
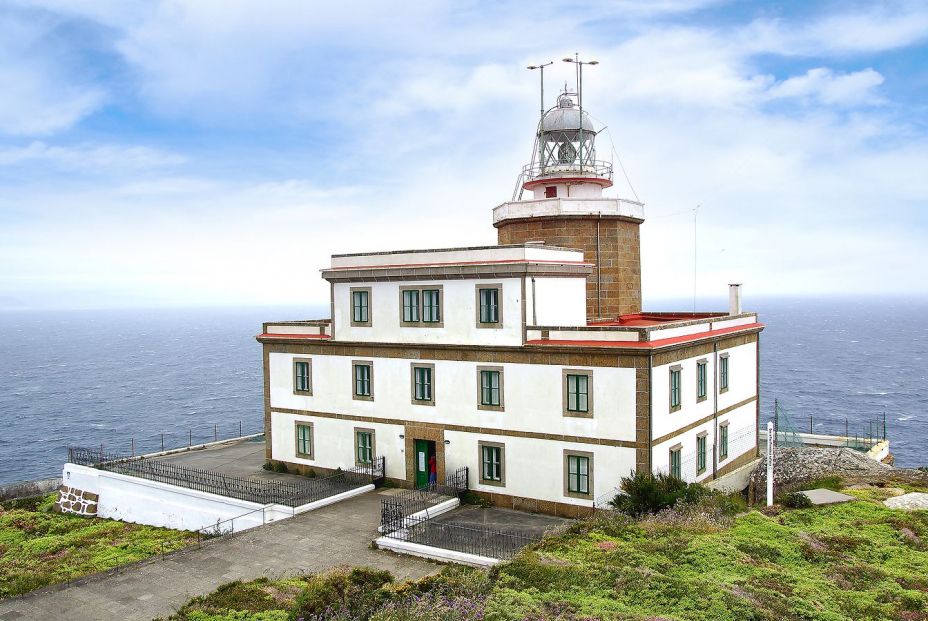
770 464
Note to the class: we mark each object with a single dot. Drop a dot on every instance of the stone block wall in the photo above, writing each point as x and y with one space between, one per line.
76 501
619 259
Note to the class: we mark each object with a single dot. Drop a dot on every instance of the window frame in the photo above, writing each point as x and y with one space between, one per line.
676 400
309 376
420 322
412 379
481 445
701 452
441 313
568 454
478 290
357 446
501 406
297 424
723 441
370 380
676 449
702 380
724 372
565 389
354 321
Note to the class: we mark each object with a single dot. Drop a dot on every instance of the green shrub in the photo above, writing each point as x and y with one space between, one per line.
349 593
795 500
470 498
645 493
280 467
833 483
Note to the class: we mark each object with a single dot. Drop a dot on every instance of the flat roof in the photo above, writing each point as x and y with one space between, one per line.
635 320
462 248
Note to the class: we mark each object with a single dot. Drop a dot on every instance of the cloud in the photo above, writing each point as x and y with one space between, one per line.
822 85
41 93
89 158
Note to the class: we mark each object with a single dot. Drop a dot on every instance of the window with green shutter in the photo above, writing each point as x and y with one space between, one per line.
723 442
674 388
304 440
362 380
489 305
423 384
700 454
411 305
492 463
431 305
723 373
578 474
302 376
360 306
578 393
701 380
364 443
675 465
489 388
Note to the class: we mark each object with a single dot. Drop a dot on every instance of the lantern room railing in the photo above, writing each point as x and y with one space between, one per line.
595 168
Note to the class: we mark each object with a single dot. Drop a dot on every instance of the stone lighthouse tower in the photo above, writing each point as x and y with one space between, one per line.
567 208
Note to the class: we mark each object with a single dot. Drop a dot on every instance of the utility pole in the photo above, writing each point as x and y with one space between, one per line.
769 464
541 115
579 63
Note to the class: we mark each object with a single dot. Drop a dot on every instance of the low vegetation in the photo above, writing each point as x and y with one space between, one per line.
705 558
39 547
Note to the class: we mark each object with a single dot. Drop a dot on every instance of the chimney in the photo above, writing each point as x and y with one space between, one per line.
734 299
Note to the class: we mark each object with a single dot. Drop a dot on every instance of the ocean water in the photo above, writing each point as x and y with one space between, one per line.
111 377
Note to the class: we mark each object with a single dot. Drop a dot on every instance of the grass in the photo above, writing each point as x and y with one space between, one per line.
852 561
39 547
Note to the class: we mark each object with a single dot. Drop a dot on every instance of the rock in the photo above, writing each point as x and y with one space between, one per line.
794 466
908 502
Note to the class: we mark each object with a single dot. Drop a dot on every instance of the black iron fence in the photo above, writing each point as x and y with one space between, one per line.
394 509
291 493
481 541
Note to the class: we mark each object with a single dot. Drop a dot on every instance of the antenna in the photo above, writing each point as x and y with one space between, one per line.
695 215
542 67
579 63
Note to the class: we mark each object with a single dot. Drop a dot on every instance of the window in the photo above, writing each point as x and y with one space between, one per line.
578 471
551 191
701 453
431 305
304 440
422 386
411 306
723 441
701 367
364 446
420 307
489 311
491 463
363 380
361 306
675 467
490 393
723 373
578 391
302 376
674 388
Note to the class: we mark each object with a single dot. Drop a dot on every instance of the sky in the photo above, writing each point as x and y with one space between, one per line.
217 152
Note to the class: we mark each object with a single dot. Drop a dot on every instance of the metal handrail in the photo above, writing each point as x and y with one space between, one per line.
596 168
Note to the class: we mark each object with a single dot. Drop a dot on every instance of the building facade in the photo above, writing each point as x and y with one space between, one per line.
529 362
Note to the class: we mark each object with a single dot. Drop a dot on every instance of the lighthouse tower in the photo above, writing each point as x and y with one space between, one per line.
567 208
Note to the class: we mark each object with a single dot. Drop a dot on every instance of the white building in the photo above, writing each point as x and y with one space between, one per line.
529 362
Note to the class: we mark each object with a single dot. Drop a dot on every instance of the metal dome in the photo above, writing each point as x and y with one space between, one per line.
565 117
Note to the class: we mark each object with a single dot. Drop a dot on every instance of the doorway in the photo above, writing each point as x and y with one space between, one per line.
426 461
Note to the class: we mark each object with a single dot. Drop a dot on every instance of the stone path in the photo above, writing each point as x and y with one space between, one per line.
336 535
823 496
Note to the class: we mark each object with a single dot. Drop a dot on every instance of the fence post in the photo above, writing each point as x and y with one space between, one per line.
133 446
884 424
810 424
240 429
776 417
189 438
215 432
846 439
162 441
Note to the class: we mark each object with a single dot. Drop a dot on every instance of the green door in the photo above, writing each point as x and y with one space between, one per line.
422 463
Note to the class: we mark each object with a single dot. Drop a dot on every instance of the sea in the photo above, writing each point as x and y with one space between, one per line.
137 380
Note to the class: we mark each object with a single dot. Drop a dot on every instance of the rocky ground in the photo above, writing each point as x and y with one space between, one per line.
794 467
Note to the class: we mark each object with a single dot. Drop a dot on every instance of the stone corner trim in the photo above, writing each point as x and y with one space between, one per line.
77 501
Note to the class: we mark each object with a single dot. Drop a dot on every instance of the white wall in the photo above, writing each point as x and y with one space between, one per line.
334 440
132 499
459 314
532 397
535 468
560 301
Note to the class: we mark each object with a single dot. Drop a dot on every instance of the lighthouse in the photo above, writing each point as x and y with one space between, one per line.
559 200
